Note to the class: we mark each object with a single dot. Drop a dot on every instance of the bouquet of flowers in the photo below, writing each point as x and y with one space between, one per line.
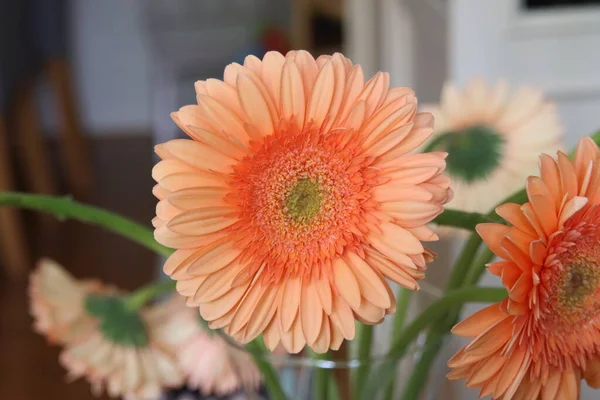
302 199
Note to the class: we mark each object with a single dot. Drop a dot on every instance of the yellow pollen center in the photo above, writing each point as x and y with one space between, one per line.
304 200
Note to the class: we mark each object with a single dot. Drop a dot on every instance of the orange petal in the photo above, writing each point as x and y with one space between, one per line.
321 96
292 94
342 318
491 339
492 234
324 293
321 345
311 312
199 155
290 302
568 177
371 286
293 340
479 321
346 282
255 105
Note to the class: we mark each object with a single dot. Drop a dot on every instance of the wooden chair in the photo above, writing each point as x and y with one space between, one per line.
34 161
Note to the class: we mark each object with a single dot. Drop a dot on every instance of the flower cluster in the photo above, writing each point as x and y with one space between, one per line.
302 193
137 354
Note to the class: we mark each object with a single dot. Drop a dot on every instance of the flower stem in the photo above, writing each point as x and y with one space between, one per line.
65 208
321 375
383 375
143 295
420 371
442 325
463 263
477 268
258 351
402 303
365 338
342 375
465 220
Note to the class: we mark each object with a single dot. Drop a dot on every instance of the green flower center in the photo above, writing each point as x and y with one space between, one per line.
473 153
303 202
118 323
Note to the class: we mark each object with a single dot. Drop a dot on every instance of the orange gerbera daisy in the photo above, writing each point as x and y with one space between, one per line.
296 198
545 337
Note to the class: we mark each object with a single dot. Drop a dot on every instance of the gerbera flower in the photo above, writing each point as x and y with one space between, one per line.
57 302
545 337
104 341
127 353
209 363
296 198
493 140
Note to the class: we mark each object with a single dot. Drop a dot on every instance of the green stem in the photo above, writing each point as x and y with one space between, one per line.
365 338
258 351
442 325
462 219
321 376
66 208
477 268
461 267
143 295
383 375
420 371
402 303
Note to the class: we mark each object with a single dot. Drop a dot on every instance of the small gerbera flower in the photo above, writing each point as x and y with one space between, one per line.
210 364
296 198
545 337
127 352
57 302
493 140
104 340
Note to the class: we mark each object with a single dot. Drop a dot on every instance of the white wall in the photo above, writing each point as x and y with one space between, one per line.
111 66
555 51
111 69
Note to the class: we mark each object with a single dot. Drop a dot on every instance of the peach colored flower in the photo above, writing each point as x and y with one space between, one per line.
210 364
545 336
296 198
111 346
129 367
493 140
57 302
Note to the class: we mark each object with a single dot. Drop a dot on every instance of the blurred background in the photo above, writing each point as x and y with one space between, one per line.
86 88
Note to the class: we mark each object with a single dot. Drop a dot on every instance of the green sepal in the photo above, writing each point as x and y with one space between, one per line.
118 323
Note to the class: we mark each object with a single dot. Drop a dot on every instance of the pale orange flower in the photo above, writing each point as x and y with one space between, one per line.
209 363
128 367
545 336
124 350
57 302
493 138
296 198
